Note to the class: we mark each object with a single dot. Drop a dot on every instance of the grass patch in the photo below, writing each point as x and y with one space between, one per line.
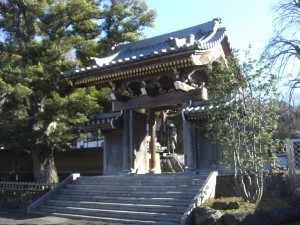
265 204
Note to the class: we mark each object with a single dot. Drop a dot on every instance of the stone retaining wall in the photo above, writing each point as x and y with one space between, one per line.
274 186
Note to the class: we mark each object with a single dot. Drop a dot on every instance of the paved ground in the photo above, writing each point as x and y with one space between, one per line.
11 217
295 223
18 218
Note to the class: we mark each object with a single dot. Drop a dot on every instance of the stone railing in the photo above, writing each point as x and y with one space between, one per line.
206 191
51 193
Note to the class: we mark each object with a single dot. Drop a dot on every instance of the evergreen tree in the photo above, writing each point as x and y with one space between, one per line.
244 121
120 21
40 111
288 121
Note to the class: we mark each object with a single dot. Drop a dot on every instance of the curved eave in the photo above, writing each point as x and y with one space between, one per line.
96 128
196 117
154 54
133 60
203 110
98 77
149 59
90 127
214 40
198 113
102 121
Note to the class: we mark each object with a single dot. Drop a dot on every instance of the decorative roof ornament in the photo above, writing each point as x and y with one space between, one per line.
191 39
176 42
105 60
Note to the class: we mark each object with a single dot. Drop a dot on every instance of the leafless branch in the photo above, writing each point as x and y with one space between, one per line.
283 49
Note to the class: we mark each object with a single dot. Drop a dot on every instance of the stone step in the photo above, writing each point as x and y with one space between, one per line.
146 207
106 219
168 194
122 214
164 188
151 182
137 199
129 200
145 177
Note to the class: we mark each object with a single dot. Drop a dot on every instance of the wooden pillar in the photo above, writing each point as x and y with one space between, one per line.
291 164
154 167
126 149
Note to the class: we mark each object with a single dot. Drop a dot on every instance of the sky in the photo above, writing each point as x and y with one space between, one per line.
248 22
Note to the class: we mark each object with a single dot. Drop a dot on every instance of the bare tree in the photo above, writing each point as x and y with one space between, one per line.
283 49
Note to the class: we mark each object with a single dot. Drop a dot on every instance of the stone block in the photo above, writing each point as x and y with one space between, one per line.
205 216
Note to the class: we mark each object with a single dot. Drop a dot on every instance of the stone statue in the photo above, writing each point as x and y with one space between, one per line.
172 137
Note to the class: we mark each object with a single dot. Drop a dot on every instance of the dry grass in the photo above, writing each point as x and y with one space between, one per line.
265 204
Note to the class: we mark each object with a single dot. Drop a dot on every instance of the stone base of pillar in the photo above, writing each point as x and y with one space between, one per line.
190 169
192 172
139 171
157 169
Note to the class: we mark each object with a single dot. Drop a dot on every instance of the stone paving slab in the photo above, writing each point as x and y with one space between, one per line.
18 218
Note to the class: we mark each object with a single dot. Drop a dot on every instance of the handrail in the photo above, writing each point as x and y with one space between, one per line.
33 207
205 192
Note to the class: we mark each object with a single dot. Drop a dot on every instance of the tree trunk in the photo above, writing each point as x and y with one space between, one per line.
44 169
251 190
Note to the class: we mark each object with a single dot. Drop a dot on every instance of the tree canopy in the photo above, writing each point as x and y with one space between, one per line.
243 120
40 111
288 122
120 21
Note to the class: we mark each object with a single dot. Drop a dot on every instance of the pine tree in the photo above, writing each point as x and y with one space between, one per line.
40 111
120 21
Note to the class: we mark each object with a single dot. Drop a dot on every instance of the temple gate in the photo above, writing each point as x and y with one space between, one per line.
155 74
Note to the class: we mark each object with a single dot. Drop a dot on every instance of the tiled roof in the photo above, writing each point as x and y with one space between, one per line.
200 110
200 37
197 111
102 121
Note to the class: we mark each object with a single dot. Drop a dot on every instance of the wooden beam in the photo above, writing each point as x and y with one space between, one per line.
152 144
183 86
162 100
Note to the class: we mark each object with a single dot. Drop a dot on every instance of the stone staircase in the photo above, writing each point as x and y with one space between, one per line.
136 199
